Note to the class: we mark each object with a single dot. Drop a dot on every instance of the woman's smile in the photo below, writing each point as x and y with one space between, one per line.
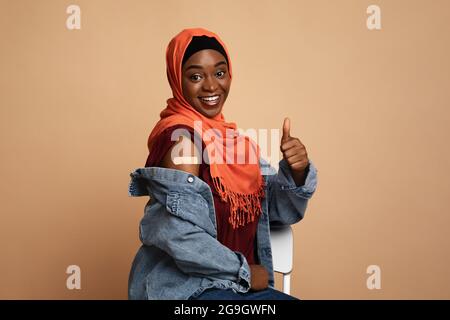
210 100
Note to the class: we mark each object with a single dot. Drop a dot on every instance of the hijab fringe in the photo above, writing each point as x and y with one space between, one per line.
244 208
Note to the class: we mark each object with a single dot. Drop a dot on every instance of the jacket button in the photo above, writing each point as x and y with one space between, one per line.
190 179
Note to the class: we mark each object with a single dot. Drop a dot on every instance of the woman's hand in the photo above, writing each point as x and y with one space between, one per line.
259 277
294 152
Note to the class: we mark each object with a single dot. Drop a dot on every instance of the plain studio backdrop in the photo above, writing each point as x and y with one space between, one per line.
371 107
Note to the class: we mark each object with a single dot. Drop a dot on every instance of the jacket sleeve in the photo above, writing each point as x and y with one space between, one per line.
178 223
287 202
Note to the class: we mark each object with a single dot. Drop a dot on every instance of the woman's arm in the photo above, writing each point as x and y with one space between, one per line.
187 159
171 227
194 249
259 276
287 200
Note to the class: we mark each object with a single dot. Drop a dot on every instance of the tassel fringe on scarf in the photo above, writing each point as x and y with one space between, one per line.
244 208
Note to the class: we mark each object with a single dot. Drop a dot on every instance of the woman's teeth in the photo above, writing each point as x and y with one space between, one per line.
210 100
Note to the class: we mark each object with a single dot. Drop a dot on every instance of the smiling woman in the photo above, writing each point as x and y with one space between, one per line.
206 233
206 79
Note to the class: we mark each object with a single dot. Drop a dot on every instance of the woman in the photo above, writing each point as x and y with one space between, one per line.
205 231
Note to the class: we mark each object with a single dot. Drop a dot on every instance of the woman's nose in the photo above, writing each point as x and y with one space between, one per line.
210 84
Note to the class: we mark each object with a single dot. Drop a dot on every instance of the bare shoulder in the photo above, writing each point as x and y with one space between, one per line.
184 156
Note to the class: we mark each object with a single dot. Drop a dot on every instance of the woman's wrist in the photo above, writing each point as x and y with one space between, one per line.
259 277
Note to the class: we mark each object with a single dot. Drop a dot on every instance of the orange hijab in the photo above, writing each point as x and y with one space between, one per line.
239 184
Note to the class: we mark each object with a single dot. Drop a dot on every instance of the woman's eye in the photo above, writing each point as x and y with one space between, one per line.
195 77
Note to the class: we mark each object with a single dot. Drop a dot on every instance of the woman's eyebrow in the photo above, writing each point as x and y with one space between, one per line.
192 66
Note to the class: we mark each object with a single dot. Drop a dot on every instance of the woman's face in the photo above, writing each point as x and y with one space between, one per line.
206 81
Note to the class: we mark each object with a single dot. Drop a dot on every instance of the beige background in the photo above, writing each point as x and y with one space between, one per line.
372 108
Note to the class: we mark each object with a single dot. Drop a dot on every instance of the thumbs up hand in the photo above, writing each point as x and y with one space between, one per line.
294 152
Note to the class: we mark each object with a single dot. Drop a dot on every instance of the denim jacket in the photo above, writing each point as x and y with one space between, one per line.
181 256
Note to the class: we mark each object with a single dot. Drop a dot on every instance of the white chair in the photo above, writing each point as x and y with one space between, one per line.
282 242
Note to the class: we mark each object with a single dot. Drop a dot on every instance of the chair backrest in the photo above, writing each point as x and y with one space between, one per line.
282 241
